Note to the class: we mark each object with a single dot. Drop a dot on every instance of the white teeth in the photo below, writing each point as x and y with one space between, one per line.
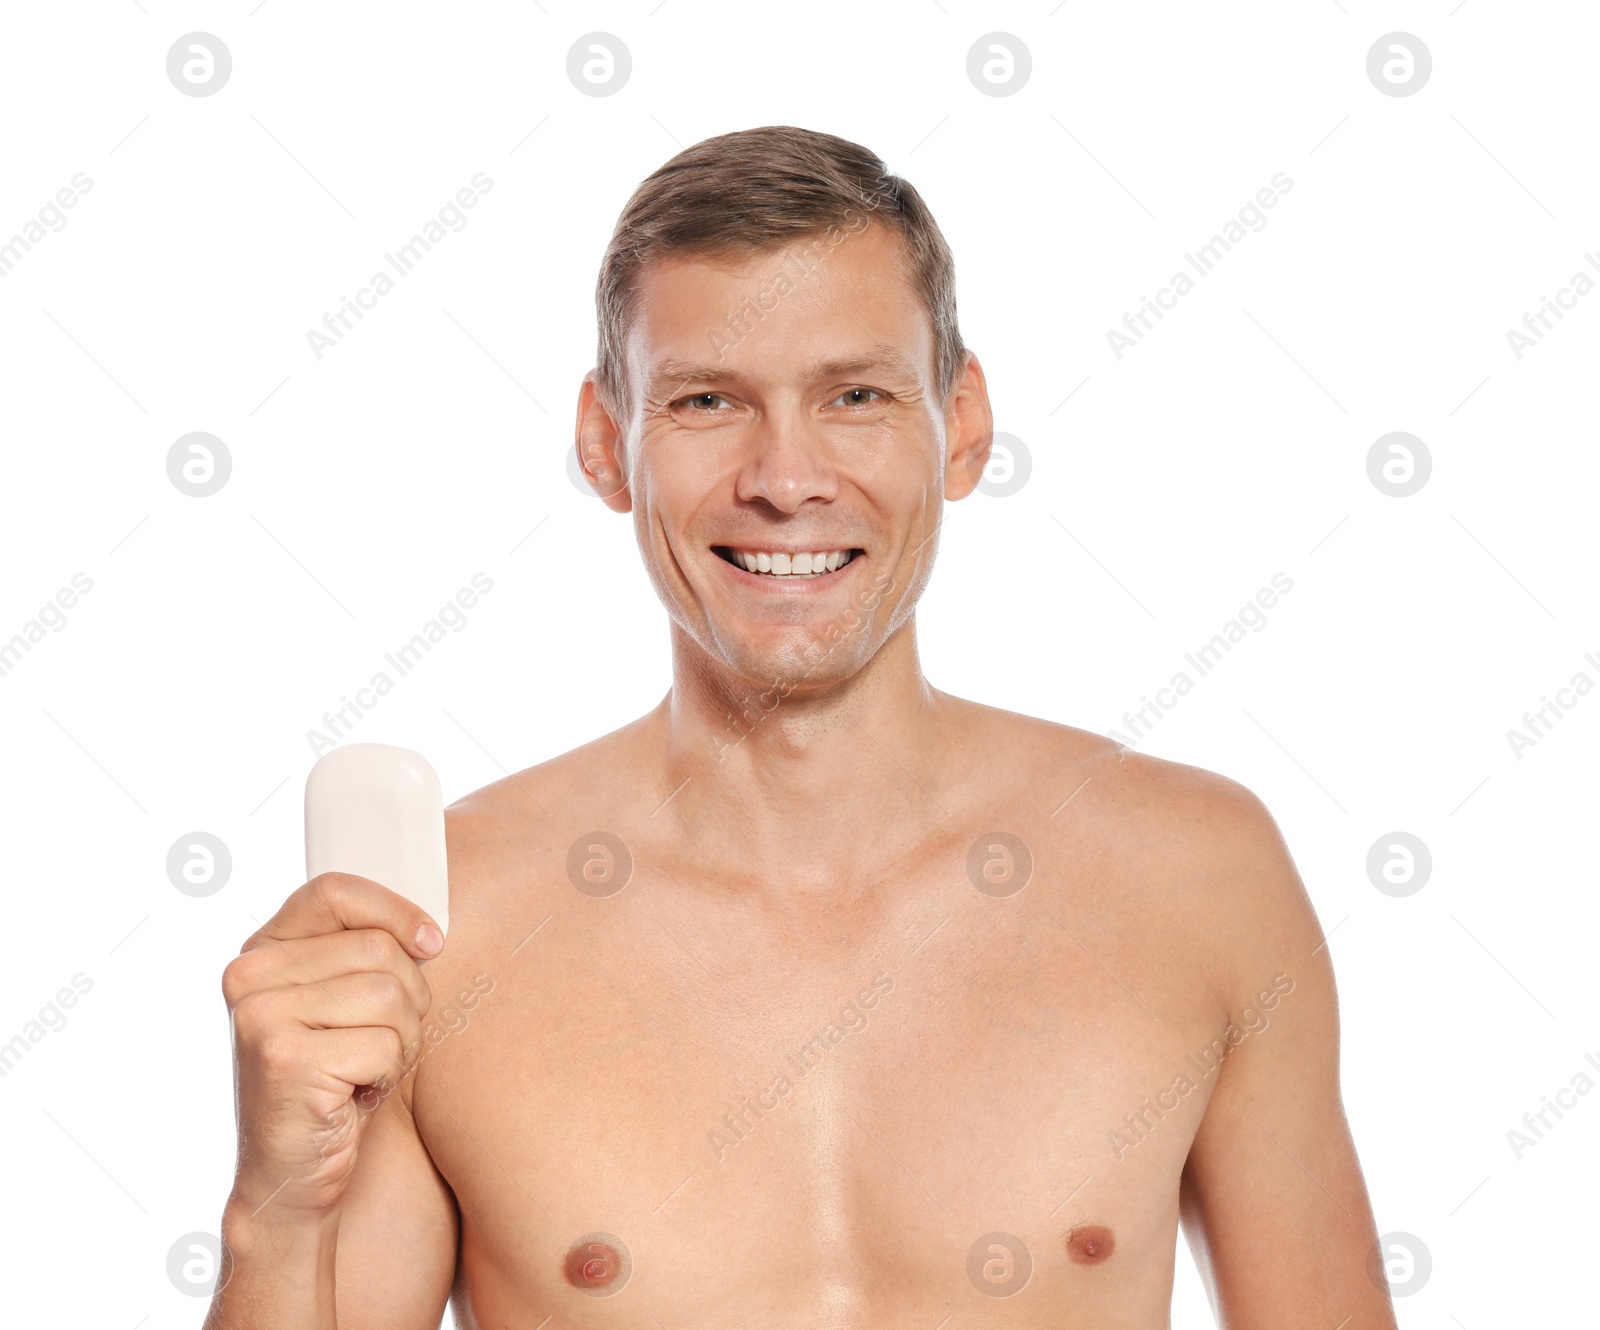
781 563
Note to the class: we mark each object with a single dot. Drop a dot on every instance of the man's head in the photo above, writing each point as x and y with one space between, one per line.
780 371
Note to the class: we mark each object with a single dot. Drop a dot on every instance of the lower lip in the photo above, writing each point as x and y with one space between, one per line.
791 586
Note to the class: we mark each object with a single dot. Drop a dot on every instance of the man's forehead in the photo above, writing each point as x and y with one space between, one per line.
792 311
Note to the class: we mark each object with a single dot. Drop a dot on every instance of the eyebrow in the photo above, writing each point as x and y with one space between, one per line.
882 355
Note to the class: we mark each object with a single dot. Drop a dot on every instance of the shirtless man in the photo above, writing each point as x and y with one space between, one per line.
816 997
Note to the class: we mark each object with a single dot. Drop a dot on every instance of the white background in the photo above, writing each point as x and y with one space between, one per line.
1231 444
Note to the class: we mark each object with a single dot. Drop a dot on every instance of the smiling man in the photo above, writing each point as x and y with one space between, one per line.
817 996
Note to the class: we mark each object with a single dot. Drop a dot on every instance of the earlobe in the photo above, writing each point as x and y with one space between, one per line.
967 462
603 471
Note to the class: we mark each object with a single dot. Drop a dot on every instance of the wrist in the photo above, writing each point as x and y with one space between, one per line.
251 1224
278 1265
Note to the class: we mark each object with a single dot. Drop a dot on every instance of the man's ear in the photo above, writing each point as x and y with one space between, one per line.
599 445
968 431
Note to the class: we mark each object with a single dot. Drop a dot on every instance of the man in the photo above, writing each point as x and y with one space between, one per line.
816 996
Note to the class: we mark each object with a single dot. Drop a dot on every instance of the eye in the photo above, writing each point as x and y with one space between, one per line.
700 401
858 394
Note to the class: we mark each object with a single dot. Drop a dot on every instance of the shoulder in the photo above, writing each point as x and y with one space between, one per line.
523 810
1199 846
1226 866
1189 809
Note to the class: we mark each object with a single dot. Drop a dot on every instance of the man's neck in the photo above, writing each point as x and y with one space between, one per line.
805 784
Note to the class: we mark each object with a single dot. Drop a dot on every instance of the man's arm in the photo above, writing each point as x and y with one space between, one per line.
1272 1198
400 1228
390 1248
337 1216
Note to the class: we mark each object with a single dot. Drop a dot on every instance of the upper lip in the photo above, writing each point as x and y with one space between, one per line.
785 546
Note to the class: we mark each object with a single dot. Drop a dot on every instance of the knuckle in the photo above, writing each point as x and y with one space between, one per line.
241 976
389 991
379 949
233 984
328 889
365 951
393 1046
279 1053
249 1014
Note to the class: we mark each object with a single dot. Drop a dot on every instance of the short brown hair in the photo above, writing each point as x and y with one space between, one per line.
754 191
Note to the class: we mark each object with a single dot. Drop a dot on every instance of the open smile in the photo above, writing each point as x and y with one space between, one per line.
776 568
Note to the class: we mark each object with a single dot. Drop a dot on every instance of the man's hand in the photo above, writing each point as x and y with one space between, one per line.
327 1002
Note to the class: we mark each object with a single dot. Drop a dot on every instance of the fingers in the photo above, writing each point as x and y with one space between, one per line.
337 1061
276 963
331 902
357 1028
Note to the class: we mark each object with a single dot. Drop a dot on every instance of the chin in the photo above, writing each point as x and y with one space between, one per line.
800 662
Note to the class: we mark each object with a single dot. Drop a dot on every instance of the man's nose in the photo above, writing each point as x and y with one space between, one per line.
787 460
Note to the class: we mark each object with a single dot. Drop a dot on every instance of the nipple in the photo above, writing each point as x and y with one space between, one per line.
597 1264
591 1264
1090 1244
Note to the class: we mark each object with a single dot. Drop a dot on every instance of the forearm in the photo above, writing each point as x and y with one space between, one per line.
279 1270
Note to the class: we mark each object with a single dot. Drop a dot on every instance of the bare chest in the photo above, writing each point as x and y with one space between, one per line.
833 1116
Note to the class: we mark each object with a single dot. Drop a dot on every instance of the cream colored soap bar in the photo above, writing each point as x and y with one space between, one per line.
377 811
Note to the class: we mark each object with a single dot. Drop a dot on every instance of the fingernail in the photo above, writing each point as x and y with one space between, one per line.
430 941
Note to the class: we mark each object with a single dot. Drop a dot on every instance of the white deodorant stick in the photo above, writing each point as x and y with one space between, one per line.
377 811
